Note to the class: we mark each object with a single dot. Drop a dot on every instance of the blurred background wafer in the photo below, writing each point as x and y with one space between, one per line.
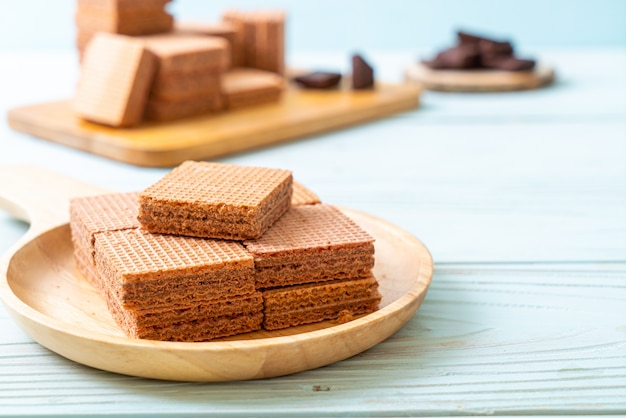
115 79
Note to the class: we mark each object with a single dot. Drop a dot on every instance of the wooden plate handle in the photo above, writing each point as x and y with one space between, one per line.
39 196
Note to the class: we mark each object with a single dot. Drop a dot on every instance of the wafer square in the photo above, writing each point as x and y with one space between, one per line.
91 215
311 243
114 82
314 302
121 5
194 322
145 271
216 200
260 39
180 53
235 18
106 212
186 86
243 87
302 195
221 29
141 22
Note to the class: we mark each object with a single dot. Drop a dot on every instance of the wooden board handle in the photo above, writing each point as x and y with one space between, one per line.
39 196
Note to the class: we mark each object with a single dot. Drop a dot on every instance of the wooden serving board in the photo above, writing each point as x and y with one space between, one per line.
478 80
300 113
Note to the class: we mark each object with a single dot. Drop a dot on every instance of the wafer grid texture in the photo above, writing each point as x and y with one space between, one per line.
136 253
309 227
303 196
106 212
216 184
215 200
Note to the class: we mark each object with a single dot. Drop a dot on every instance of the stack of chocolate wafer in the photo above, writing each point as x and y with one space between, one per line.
127 17
314 264
188 76
160 261
220 29
260 40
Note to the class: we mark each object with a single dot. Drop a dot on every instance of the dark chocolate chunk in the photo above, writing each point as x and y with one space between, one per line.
467 38
456 58
362 73
473 51
487 46
508 63
318 80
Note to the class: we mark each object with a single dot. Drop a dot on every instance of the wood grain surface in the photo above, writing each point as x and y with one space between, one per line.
299 113
491 340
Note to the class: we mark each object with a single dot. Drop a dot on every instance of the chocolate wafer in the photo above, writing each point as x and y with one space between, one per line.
216 200
311 243
260 39
110 93
128 17
189 86
302 195
167 110
236 20
243 87
126 23
106 212
362 73
221 29
179 53
177 288
94 214
308 303
121 5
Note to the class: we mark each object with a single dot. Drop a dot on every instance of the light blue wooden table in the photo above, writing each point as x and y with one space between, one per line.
521 198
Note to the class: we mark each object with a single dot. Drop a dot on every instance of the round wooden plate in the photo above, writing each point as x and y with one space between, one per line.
478 80
56 306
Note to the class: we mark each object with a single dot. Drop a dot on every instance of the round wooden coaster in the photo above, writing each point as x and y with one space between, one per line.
479 80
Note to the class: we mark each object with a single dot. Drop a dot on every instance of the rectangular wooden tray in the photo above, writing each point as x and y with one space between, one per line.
300 113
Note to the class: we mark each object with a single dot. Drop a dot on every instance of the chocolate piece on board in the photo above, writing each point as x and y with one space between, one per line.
362 73
318 80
